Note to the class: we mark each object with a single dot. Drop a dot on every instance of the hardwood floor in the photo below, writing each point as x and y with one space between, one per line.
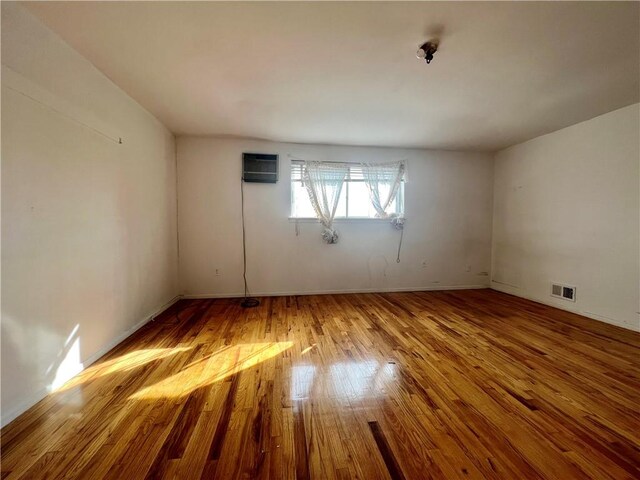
465 384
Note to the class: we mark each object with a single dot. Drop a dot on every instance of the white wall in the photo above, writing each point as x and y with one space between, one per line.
89 232
567 209
448 205
89 247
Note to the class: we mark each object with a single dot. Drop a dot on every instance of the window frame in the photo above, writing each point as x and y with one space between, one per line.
348 180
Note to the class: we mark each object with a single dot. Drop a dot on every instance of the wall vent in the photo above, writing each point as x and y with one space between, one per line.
566 292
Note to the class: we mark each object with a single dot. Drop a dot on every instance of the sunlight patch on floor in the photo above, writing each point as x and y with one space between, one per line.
212 368
123 363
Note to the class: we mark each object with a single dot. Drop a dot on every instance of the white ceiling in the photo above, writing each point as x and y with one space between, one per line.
346 73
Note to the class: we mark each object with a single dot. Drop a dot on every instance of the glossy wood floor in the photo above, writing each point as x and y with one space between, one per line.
467 384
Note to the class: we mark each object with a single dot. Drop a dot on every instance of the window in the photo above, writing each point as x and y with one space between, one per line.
354 199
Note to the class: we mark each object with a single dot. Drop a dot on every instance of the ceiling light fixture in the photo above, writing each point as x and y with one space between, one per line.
426 50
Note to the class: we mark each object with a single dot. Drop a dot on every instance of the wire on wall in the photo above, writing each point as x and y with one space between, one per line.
62 114
247 302
400 245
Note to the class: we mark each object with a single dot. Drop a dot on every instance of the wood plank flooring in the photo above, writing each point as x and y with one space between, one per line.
465 384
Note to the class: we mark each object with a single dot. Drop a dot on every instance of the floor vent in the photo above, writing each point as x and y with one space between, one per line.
565 292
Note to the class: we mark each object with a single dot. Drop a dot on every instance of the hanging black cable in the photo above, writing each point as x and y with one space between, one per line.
247 302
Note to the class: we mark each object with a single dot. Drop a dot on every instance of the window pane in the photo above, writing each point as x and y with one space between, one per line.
301 205
341 210
359 203
358 198
397 205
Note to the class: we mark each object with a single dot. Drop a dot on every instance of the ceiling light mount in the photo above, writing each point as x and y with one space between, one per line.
426 50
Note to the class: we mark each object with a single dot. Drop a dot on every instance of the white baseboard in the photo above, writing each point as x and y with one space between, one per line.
8 417
335 292
515 291
120 338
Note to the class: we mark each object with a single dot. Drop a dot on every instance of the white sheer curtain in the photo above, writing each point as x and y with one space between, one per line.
324 182
383 182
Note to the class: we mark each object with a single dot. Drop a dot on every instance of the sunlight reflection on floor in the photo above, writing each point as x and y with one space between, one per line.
344 380
213 368
123 363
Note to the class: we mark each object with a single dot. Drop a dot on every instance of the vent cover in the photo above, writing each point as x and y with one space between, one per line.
566 292
260 167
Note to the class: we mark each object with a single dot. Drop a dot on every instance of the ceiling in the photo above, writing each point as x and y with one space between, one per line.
346 73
